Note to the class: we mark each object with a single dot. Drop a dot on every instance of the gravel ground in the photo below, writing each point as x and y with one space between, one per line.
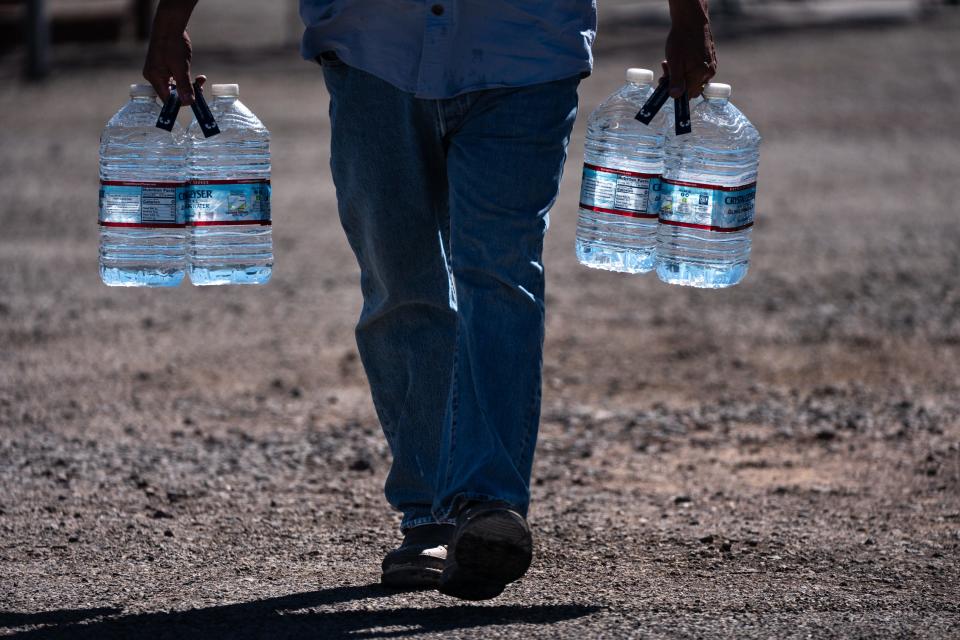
781 459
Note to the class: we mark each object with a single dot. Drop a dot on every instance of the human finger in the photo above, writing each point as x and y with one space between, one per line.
159 80
677 79
184 87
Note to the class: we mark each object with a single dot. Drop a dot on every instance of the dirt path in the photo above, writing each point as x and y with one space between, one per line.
777 460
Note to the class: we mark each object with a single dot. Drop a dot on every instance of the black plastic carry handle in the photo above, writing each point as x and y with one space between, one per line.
681 114
681 111
655 102
168 115
204 116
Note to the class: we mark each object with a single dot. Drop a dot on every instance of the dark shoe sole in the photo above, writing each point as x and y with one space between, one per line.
411 578
491 551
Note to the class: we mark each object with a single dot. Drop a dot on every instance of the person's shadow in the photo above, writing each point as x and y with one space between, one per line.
292 616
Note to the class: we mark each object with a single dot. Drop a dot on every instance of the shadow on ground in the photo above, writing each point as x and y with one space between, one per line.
292 616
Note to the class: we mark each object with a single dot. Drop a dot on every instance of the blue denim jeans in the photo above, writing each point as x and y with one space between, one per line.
444 203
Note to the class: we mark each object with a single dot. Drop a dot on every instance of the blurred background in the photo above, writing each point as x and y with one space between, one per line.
44 29
777 459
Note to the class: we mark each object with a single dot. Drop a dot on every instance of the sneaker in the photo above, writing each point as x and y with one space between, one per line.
419 560
491 547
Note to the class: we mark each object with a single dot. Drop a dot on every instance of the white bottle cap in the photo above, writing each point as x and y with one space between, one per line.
225 90
142 91
717 90
639 76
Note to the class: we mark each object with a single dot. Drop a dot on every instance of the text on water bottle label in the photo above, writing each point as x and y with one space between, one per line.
620 192
707 207
228 202
142 204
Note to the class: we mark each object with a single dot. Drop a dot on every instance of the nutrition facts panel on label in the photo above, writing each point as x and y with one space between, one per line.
617 191
631 193
141 203
158 204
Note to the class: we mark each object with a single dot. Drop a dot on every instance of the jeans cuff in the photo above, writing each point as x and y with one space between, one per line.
409 522
449 514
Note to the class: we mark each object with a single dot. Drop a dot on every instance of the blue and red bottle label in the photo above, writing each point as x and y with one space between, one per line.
142 204
620 192
707 207
228 202
173 204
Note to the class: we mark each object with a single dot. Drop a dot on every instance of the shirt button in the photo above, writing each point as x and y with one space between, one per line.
437 9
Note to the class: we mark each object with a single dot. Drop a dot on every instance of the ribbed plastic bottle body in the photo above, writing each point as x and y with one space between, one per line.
142 174
229 202
623 161
709 189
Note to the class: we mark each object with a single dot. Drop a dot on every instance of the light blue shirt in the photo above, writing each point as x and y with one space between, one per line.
441 48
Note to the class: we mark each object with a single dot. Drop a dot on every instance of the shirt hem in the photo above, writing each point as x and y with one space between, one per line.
345 58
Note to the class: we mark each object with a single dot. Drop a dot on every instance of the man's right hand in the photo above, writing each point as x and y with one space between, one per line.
169 52
691 54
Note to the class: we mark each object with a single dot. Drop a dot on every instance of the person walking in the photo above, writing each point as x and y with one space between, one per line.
449 128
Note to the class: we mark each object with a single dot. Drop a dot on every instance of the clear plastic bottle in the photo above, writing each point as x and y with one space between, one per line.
142 174
709 188
229 201
619 195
